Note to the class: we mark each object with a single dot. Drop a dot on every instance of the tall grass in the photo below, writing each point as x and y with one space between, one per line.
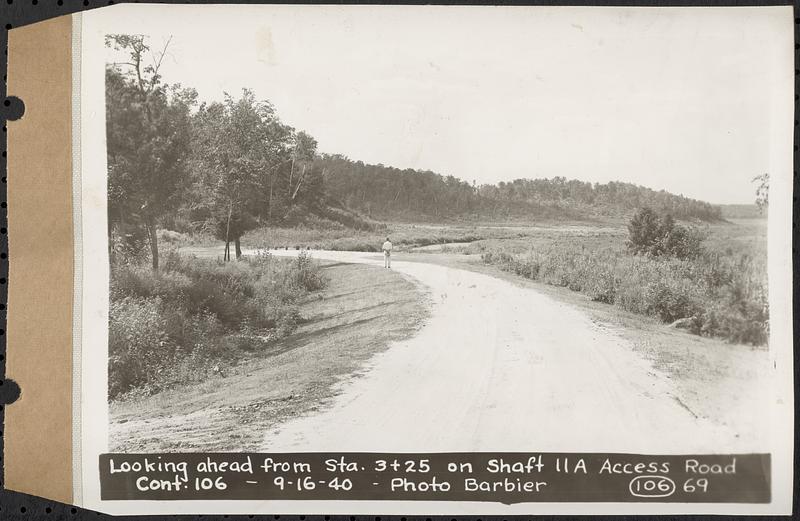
716 294
402 236
183 321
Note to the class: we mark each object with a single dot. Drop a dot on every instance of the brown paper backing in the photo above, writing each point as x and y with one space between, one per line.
38 426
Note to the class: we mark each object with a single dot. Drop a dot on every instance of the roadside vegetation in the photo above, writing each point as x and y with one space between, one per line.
195 316
664 270
364 311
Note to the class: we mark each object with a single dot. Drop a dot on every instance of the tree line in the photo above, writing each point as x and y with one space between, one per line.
612 198
387 192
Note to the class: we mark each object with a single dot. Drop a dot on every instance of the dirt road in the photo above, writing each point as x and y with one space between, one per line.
504 368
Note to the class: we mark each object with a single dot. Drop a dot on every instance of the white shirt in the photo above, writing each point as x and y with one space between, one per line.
387 246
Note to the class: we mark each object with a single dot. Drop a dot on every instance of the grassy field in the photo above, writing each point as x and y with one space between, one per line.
472 238
359 313
403 236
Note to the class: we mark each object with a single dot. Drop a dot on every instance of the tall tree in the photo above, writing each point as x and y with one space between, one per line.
240 145
303 152
148 135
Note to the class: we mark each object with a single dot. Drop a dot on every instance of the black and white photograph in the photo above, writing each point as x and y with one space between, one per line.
446 229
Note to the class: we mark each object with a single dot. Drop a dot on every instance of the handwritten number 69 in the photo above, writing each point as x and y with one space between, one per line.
694 485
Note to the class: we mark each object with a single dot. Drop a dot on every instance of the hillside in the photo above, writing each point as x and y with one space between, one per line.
388 193
741 211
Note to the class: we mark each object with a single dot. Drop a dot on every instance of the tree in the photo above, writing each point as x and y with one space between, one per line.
651 234
148 136
304 151
643 231
762 192
240 144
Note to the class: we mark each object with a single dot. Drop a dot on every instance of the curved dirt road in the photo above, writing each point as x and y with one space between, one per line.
503 368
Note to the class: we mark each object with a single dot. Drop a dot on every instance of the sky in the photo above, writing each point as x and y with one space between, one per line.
681 99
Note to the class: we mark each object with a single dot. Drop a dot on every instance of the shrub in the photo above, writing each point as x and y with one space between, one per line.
171 237
129 244
651 234
306 274
138 345
670 299
605 285
643 230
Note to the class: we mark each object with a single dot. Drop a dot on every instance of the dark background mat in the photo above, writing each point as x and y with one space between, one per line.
15 13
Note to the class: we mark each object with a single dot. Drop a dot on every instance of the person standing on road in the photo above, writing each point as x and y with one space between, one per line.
387 253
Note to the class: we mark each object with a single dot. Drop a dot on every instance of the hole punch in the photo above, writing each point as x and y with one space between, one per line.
15 108
9 391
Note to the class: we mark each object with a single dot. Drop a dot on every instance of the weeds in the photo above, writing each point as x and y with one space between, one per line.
343 239
715 294
176 324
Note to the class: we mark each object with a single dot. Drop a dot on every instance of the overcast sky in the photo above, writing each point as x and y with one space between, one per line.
679 99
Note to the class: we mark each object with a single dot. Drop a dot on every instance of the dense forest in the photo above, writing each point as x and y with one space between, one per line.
229 166
385 192
612 198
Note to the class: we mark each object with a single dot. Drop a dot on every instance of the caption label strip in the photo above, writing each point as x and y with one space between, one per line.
496 477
